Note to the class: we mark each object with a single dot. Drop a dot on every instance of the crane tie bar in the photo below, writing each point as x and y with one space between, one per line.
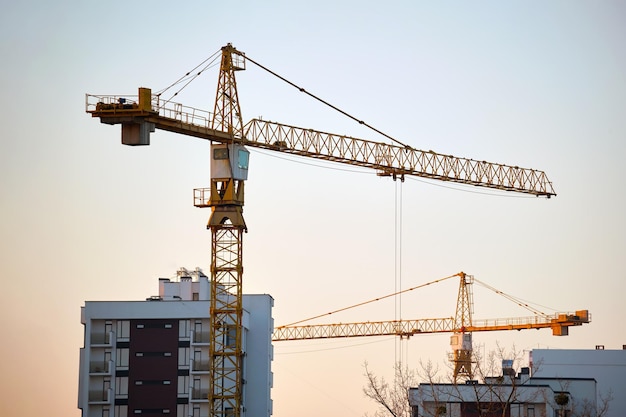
302 90
370 301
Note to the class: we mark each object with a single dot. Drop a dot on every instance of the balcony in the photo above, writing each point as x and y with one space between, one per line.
101 339
199 394
200 366
100 396
100 367
200 338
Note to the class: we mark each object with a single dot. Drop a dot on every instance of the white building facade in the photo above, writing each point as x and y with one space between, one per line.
606 366
520 396
152 357
558 383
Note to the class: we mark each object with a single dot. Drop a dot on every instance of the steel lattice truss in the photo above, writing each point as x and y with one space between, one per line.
407 328
394 160
226 308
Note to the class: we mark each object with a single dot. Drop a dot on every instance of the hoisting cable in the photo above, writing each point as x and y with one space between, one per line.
370 301
513 299
302 90
187 75
398 265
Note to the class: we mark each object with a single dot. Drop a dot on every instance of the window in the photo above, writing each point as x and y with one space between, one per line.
121 411
182 410
122 358
183 329
197 331
121 387
123 329
106 386
197 387
183 357
183 385
108 328
220 153
231 336
244 158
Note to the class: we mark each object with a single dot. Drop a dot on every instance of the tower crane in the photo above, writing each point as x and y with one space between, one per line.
461 326
142 114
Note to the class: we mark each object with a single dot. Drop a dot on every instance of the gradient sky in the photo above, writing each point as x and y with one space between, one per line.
535 84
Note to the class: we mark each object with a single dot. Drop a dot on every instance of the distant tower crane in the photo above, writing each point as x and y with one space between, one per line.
142 114
461 326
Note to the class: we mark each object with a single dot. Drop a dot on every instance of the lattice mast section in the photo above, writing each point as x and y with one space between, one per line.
461 341
225 393
226 199
227 112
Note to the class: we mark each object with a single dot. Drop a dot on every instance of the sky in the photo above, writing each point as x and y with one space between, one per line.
534 84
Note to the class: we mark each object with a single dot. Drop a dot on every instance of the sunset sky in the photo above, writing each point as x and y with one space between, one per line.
534 84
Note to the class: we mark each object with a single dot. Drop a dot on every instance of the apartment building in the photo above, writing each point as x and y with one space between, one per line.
151 357
606 366
506 395
558 383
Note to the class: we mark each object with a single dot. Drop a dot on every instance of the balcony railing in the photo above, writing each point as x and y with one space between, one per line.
101 338
200 366
99 396
100 367
200 394
200 338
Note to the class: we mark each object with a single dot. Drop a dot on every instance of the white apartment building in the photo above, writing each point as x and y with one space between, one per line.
606 366
152 357
558 383
514 396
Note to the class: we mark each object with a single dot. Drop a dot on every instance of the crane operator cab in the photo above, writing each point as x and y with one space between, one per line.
229 171
229 161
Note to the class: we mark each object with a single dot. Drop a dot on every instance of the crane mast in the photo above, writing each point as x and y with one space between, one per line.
141 115
226 197
461 341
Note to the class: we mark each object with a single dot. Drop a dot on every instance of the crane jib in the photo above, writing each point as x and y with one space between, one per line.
386 159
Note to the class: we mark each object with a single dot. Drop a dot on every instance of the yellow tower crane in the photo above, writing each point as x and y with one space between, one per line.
140 115
461 325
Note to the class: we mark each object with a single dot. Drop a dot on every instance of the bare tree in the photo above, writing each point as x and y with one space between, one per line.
492 397
496 387
582 407
392 398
